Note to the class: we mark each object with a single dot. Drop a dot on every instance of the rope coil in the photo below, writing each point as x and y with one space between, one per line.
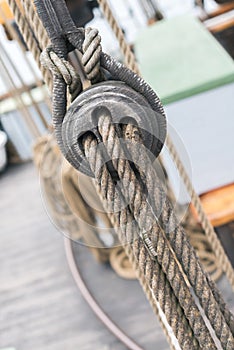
172 258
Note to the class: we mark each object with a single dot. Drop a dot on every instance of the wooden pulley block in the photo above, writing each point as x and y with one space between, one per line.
124 105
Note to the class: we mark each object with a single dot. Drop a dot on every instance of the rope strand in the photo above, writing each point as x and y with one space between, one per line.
211 235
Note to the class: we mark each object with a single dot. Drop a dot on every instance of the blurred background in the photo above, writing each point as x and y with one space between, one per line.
185 51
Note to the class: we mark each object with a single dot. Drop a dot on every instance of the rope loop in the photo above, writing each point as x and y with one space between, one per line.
164 259
61 69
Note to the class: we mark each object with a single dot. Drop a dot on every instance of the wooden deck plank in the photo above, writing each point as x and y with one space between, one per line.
41 307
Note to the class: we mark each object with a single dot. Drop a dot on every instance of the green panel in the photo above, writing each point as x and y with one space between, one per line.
179 58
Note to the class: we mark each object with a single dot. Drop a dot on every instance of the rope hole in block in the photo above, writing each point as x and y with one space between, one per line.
82 137
98 112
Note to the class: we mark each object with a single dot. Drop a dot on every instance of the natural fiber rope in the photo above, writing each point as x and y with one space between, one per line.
209 296
227 338
63 69
48 160
41 33
129 56
211 235
181 328
217 248
30 39
156 286
33 46
222 330
92 50
34 20
35 23
183 250
204 251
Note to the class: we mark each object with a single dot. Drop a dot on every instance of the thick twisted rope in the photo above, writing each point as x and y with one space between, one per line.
131 62
63 70
211 235
62 108
92 50
124 224
205 289
30 39
181 246
59 112
222 330
180 325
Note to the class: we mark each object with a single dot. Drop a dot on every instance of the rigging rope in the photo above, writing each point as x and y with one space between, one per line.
211 235
170 307
184 251
29 37
159 253
129 57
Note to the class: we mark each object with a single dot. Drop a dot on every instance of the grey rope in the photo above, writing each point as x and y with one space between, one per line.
106 62
129 57
216 245
222 331
35 23
134 195
76 37
206 290
138 211
33 45
180 324
155 281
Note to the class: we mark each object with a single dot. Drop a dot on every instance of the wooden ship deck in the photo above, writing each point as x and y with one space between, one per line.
41 307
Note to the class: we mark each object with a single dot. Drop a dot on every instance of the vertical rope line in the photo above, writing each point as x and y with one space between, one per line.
30 39
35 23
15 37
130 61
36 50
11 0
217 248
129 56
154 282
212 237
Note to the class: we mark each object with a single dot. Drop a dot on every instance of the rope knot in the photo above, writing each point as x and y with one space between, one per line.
61 68
92 51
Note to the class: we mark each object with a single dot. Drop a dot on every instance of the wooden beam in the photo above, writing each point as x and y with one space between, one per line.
221 22
218 205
